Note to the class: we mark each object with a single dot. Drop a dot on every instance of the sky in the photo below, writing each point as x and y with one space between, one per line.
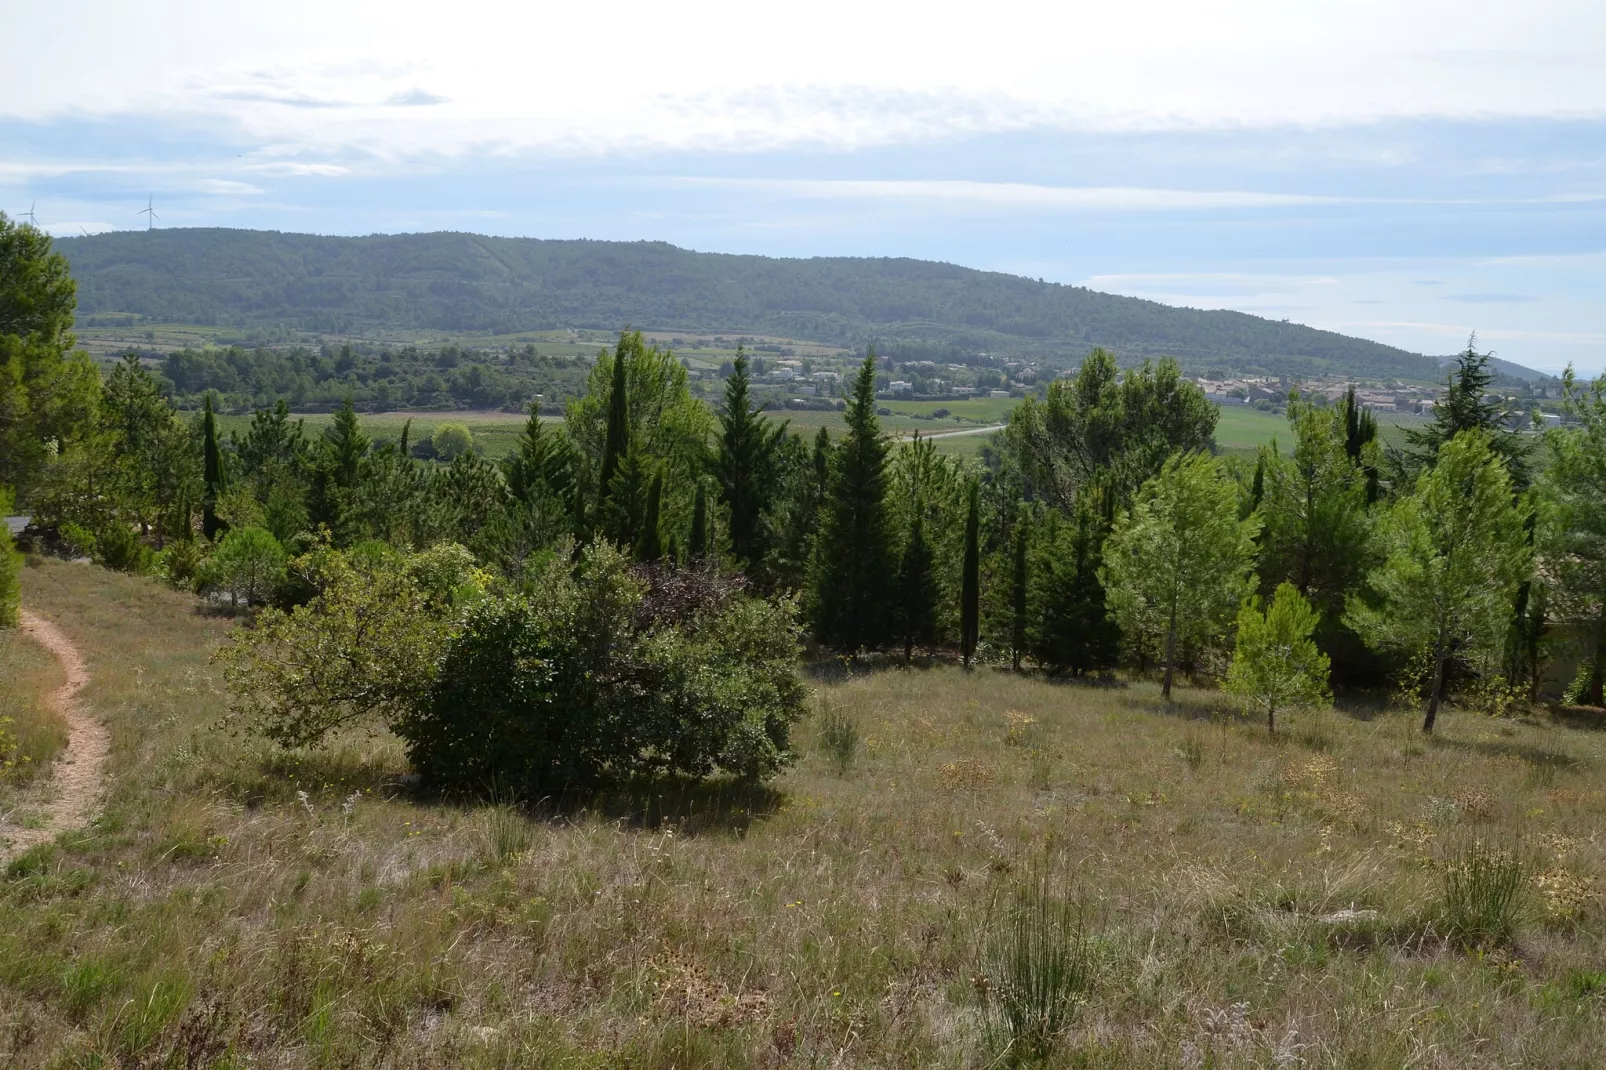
1409 171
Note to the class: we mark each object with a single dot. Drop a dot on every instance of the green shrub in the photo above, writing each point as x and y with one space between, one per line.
1485 894
78 539
1036 969
603 673
117 546
451 441
10 565
180 563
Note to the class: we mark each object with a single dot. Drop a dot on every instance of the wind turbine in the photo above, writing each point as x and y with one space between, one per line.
149 211
33 220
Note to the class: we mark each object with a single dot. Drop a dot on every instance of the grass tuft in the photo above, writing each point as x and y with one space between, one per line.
1036 970
1485 894
839 736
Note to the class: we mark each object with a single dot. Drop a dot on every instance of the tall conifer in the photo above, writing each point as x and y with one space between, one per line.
212 460
649 543
699 524
854 563
970 593
1017 595
744 466
617 443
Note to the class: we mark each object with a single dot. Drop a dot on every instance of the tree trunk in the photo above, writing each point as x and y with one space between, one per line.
1433 692
1271 720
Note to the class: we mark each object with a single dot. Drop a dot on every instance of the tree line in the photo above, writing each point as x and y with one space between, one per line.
654 553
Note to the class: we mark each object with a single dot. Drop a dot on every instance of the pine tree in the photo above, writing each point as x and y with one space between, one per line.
917 591
854 563
1467 405
649 543
624 507
1275 662
1018 602
212 462
342 452
1071 630
698 544
744 466
616 446
970 580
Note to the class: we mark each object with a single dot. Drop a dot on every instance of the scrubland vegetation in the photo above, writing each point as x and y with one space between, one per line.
1196 892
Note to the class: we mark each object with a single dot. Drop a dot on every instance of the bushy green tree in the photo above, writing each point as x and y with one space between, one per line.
249 565
1454 552
451 441
1575 545
1102 424
48 392
1176 563
854 563
1275 663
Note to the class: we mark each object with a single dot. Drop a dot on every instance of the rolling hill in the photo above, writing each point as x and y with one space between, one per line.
455 282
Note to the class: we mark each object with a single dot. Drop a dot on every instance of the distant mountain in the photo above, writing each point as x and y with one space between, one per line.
1505 369
460 283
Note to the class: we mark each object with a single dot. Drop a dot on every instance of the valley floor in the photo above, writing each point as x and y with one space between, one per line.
1247 901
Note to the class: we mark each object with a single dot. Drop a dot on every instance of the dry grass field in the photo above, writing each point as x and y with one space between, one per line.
1235 901
32 733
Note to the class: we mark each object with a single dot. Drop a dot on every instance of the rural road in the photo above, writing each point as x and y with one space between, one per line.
76 779
966 431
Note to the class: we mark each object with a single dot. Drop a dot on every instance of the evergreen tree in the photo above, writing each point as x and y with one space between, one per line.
626 504
342 452
212 461
970 579
744 466
1018 592
1275 662
917 592
1467 405
1454 556
697 546
649 543
1177 563
1360 432
1575 489
10 567
822 461
854 563
1071 630
617 443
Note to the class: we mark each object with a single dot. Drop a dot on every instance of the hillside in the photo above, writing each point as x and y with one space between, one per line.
468 283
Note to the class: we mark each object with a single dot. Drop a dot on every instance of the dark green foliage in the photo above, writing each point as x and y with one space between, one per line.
617 443
1072 632
853 558
1102 424
970 579
337 468
1360 430
601 674
469 492
543 465
745 467
624 507
10 566
1019 578
917 592
1468 404
649 541
212 477
697 545
441 282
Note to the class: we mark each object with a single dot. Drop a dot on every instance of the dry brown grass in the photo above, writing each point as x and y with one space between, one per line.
32 731
1248 901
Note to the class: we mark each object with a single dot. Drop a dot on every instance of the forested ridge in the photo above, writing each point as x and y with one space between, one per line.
469 282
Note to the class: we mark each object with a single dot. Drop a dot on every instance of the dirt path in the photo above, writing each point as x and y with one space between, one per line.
76 780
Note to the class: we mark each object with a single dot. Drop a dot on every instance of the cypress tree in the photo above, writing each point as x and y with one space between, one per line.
699 524
212 461
822 461
649 544
917 591
622 511
1360 429
854 562
744 466
617 443
1018 586
970 594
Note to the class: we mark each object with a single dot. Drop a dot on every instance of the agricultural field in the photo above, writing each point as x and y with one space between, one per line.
1346 894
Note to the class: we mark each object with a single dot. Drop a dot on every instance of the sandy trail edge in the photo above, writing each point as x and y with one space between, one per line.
76 779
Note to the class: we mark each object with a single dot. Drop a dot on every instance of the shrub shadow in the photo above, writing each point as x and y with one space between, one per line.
1539 757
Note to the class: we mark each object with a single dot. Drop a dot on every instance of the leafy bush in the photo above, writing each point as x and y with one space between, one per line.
10 564
451 441
180 563
117 546
603 673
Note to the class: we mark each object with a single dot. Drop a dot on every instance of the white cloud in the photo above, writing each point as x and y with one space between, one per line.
409 78
227 187
1011 194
